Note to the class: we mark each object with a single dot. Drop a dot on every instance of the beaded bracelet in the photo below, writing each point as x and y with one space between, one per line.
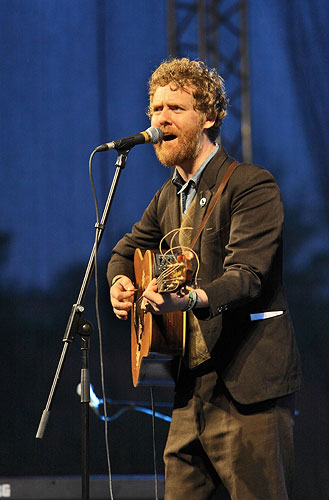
192 300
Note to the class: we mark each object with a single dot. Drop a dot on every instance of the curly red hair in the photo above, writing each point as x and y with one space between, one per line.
207 88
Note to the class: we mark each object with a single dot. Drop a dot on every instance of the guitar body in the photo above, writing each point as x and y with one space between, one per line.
155 339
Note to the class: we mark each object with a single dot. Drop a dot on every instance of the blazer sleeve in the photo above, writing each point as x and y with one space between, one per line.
145 234
255 209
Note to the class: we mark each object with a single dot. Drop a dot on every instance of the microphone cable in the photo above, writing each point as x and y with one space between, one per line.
101 355
154 446
99 328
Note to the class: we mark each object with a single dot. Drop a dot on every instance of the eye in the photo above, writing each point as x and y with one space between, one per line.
177 108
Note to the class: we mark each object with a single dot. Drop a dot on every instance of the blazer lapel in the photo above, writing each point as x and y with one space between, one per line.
205 192
174 211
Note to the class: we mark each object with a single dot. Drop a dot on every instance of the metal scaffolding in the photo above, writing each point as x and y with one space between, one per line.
216 31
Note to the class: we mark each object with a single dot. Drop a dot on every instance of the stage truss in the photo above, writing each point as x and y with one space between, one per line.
216 31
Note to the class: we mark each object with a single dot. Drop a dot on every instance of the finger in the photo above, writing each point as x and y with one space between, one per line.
153 297
152 308
144 304
124 295
125 283
152 285
120 314
122 306
118 288
122 284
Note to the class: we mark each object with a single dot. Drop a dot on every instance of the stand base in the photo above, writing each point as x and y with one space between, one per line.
130 487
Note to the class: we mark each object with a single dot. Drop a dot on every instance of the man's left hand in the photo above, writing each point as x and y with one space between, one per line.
161 303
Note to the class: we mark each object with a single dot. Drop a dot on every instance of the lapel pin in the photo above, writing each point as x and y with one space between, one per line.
203 201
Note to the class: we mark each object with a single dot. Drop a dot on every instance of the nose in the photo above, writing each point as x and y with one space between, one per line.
162 118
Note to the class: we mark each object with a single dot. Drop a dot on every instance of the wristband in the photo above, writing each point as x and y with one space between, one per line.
192 300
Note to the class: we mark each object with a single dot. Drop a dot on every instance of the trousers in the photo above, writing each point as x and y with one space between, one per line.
213 439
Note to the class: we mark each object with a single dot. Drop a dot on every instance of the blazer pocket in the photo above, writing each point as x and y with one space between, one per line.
209 234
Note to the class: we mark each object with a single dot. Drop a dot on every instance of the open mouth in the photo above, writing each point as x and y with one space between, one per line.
169 137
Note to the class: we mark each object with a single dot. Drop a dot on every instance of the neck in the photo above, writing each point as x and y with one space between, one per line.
188 167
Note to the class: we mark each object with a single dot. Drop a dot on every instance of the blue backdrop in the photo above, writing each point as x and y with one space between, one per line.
73 75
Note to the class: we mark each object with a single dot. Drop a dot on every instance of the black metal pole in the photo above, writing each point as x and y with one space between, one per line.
85 400
76 325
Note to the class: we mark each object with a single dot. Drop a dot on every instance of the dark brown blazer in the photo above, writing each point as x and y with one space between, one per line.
240 251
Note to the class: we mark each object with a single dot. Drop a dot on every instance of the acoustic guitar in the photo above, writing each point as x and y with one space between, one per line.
157 339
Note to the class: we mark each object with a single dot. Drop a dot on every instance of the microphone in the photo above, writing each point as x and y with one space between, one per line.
152 135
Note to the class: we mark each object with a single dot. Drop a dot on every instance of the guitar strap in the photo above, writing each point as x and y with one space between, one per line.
213 202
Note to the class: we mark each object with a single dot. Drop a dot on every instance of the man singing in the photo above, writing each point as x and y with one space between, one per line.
232 421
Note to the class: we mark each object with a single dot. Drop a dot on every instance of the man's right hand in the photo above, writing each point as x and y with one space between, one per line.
122 296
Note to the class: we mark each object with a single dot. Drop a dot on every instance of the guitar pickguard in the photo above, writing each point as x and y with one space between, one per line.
139 319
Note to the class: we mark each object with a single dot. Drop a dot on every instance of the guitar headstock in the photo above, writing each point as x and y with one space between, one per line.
176 273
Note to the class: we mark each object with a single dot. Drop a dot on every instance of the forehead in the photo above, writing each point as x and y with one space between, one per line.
170 93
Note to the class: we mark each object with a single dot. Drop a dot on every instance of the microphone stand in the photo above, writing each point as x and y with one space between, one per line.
76 325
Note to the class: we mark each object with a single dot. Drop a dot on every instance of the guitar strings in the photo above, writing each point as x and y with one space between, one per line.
161 279
176 231
166 236
184 250
173 266
171 246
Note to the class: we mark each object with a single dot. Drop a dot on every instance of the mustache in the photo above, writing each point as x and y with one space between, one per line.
169 131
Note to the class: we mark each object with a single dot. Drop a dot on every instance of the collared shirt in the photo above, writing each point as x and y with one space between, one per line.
188 190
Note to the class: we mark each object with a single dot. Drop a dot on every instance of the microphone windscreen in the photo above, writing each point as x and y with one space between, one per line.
155 134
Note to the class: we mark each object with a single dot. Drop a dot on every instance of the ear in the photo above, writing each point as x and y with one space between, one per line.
209 121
